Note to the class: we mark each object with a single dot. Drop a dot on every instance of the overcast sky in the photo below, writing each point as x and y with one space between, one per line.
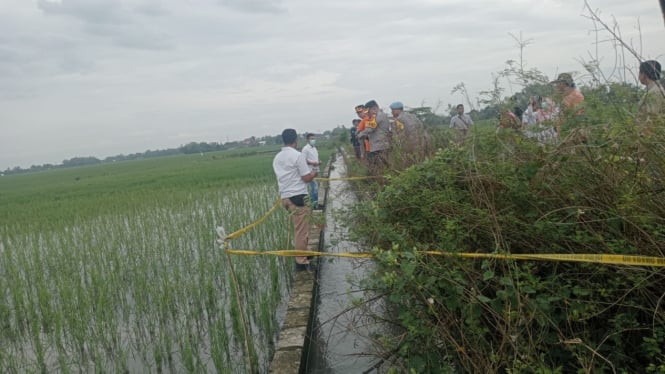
107 77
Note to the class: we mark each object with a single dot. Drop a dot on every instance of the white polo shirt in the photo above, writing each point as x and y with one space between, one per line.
311 155
290 166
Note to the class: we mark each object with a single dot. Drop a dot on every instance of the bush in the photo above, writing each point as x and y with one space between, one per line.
600 190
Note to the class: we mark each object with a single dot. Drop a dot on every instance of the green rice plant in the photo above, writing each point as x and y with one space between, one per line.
123 274
219 340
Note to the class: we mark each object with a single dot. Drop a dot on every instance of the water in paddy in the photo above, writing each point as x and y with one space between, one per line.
140 293
342 333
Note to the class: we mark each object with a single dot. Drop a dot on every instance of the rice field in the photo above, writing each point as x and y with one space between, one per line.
115 268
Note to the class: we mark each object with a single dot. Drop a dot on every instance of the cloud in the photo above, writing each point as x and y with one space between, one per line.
255 6
91 11
109 76
152 8
113 22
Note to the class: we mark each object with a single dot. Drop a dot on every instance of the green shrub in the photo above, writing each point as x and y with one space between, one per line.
600 190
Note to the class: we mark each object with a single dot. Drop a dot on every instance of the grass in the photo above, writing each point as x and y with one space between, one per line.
56 192
114 267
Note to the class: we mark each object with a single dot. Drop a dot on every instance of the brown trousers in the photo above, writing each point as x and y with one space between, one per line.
300 227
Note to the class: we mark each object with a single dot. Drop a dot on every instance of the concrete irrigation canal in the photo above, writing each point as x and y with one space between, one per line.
337 335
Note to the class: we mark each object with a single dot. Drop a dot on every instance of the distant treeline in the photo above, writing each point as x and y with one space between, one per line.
190 148
426 114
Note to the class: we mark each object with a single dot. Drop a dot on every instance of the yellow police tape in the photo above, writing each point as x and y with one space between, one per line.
277 204
293 253
589 257
251 226
347 178
608 259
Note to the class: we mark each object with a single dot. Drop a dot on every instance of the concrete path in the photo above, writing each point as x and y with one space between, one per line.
293 338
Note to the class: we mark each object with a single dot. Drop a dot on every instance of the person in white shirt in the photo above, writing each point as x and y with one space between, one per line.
652 104
537 118
312 158
293 174
461 124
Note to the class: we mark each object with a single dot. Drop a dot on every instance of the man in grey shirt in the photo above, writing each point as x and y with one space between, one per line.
461 123
410 122
377 130
409 134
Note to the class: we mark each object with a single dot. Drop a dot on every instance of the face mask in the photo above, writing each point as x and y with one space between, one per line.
312 142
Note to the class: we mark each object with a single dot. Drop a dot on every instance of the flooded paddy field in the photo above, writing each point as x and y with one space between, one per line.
141 285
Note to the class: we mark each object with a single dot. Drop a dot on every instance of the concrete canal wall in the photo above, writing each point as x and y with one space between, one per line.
292 344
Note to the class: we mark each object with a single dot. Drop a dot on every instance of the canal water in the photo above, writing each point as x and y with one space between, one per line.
344 325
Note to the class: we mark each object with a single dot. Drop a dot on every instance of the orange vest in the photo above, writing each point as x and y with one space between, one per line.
361 126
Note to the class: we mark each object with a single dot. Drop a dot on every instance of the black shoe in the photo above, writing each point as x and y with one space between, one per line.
320 207
306 267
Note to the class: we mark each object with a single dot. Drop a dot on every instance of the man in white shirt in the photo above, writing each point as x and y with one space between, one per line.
293 174
312 158
461 124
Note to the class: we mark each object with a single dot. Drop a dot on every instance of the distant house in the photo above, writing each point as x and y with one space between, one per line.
250 141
